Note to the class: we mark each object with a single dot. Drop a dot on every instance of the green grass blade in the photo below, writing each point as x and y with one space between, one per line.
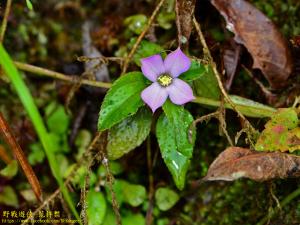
32 110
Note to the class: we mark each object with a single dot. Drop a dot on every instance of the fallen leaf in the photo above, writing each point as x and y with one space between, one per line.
235 163
260 36
184 12
231 58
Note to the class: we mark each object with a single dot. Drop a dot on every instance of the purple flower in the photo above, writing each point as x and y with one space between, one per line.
164 75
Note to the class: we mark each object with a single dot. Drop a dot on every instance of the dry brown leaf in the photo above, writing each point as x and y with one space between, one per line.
261 37
231 57
184 13
235 163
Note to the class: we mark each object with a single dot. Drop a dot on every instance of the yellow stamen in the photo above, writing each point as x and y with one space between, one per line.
164 80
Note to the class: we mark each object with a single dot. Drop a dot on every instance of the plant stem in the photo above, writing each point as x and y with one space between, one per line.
259 112
5 18
61 76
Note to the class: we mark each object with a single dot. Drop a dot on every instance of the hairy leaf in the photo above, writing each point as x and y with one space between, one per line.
122 100
175 144
128 134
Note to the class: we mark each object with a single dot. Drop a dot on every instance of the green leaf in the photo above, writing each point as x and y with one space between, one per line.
37 154
197 70
251 108
32 110
281 133
133 194
136 23
114 167
82 141
166 19
133 219
29 4
246 106
122 100
10 170
58 120
176 144
146 49
128 134
110 218
207 85
9 197
96 207
165 198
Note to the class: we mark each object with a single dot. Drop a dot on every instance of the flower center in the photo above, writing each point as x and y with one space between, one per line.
164 80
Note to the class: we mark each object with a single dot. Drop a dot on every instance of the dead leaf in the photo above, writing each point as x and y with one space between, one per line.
260 36
235 163
281 133
231 57
184 12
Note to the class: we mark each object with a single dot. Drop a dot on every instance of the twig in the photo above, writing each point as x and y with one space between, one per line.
4 21
140 38
217 75
57 75
10 139
110 180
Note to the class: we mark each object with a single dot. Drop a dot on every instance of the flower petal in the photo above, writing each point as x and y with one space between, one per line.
177 63
180 92
154 96
152 67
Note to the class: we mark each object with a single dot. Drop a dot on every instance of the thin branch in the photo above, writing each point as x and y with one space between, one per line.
140 38
10 139
61 76
73 79
4 21
218 77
